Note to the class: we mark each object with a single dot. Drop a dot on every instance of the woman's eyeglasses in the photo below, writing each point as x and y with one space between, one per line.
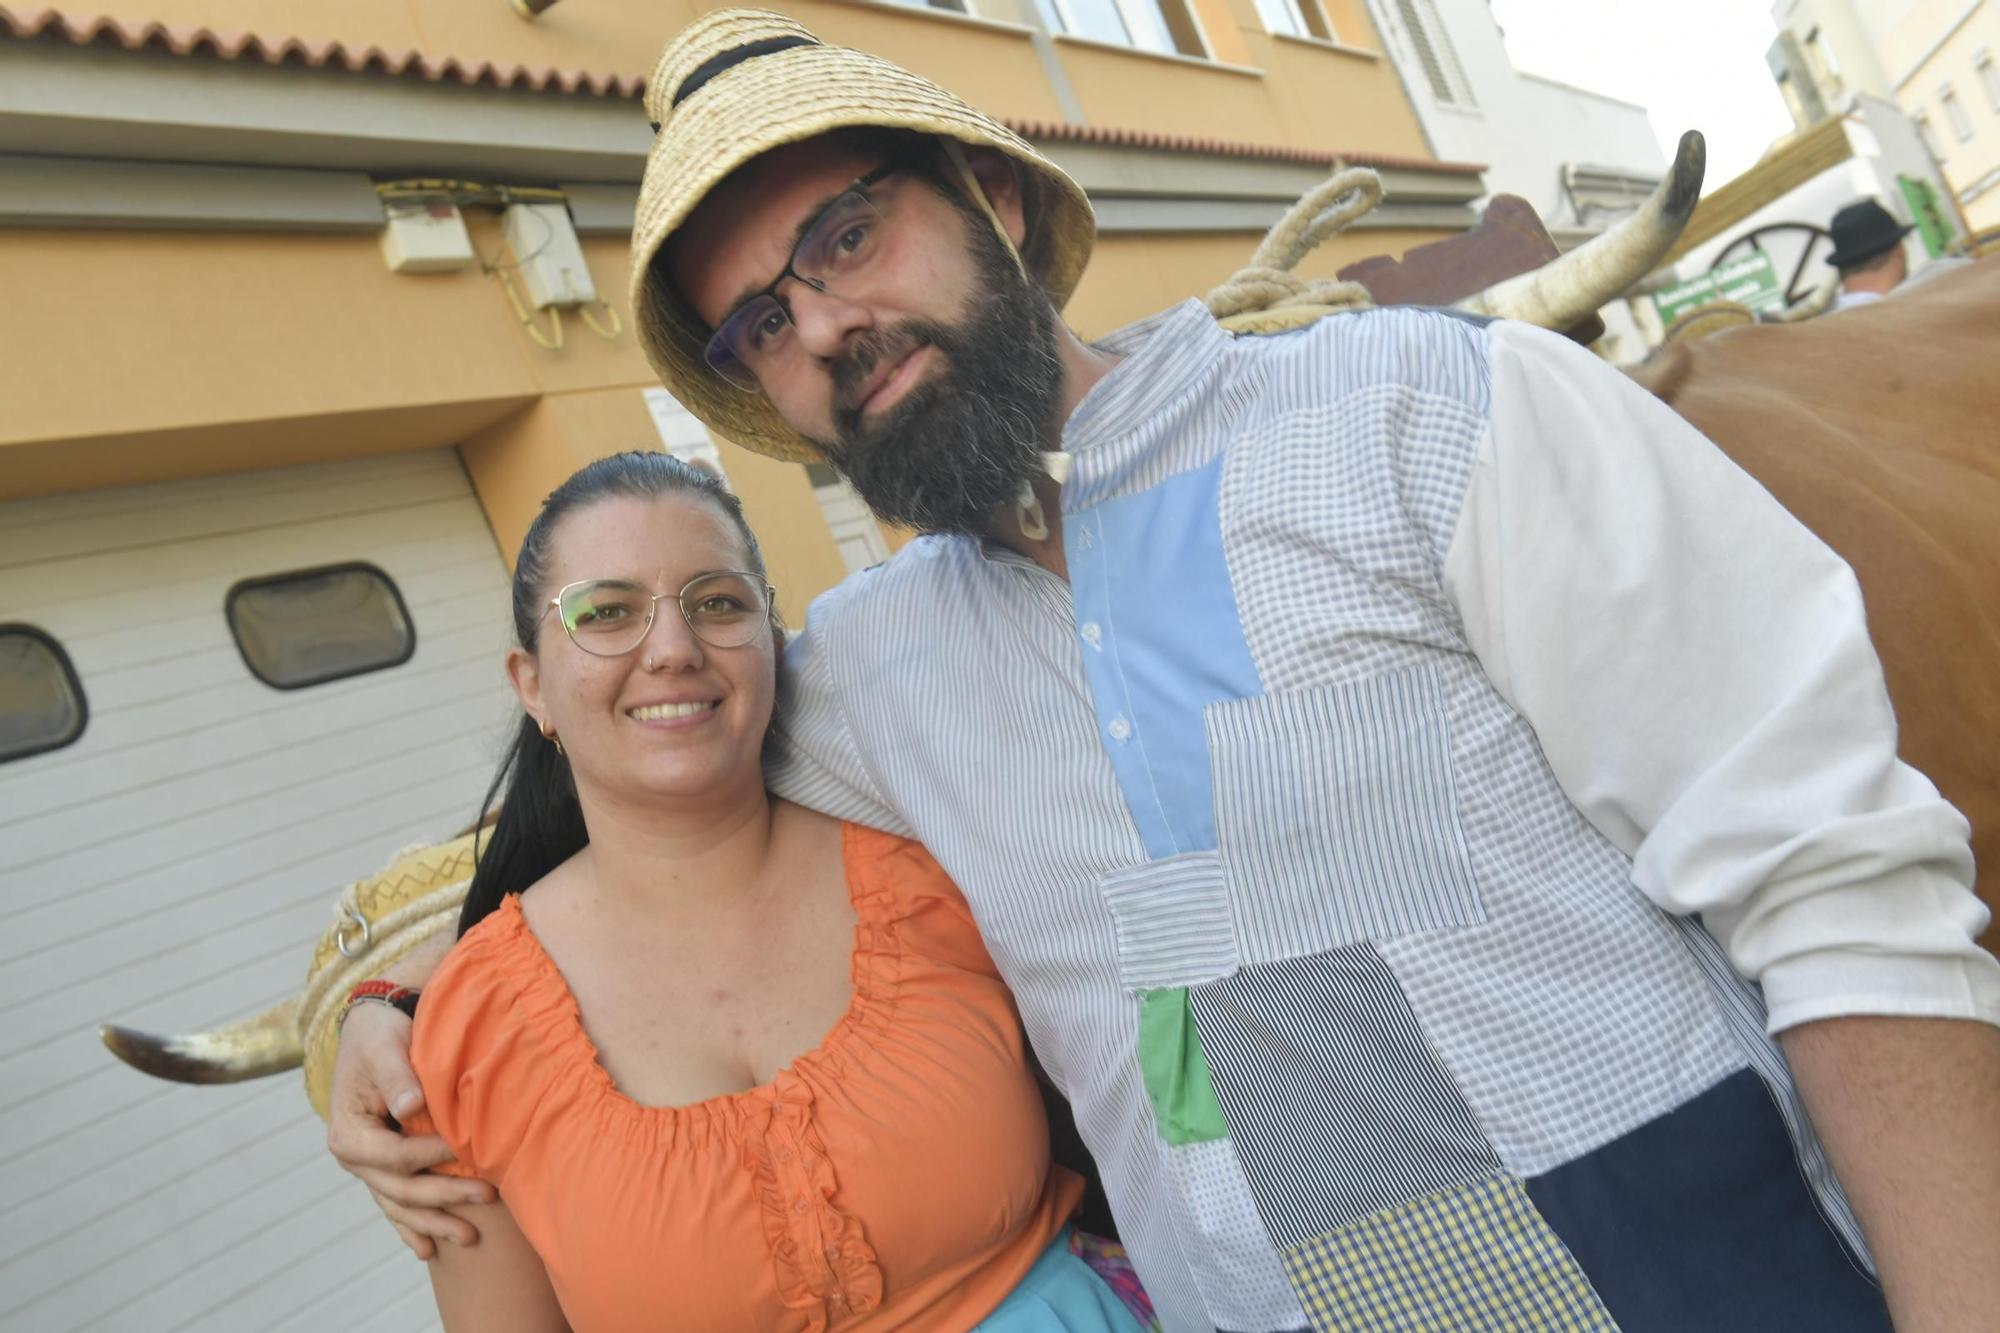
609 617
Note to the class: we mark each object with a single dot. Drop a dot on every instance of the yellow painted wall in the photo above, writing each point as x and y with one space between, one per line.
1295 93
136 356
1299 94
116 333
112 332
1334 99
146 356
1922 25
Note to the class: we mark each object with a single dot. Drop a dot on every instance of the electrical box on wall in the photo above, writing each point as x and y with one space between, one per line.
547 254
426 237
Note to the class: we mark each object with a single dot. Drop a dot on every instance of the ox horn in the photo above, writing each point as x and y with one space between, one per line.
253 1048
1566 290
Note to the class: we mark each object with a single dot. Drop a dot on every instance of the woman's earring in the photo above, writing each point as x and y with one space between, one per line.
549 735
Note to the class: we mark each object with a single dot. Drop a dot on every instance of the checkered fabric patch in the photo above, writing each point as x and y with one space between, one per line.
1474 1259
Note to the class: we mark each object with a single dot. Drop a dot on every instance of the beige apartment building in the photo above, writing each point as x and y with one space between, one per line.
1937 59
260 478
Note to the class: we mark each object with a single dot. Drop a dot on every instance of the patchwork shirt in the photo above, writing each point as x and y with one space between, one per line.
1379 826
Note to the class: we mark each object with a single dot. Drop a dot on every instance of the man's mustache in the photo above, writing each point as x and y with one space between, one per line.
850 372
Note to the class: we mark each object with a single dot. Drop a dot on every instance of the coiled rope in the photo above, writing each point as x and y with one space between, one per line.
1268 282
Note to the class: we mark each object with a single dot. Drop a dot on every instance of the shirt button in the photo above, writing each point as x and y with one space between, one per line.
1093 633
800 1206
784 1154
833 1251
1120 729
836 1299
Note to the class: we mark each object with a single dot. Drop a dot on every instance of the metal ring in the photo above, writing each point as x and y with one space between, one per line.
340 935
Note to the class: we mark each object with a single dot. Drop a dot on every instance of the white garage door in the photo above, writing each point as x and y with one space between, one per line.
173 867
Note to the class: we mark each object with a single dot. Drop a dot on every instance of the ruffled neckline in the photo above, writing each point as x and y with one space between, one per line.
546 1004
823 1263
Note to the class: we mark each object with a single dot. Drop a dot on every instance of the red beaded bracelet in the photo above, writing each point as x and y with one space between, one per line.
401 998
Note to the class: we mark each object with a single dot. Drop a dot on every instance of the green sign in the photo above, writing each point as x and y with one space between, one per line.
1748 280
1933 226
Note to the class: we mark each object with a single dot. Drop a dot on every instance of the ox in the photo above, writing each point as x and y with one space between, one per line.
1875 427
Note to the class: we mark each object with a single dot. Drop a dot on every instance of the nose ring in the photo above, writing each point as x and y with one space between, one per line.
649 661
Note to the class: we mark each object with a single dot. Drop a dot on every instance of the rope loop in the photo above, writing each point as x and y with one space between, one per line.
1268 283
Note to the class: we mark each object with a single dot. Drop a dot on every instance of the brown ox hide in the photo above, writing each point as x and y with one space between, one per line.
1880 429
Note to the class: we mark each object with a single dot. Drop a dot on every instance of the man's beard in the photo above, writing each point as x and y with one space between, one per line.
959 446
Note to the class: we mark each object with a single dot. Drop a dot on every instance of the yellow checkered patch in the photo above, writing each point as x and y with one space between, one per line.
1476 1258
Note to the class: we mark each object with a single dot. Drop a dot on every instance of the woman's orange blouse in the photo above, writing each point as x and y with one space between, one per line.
895 1177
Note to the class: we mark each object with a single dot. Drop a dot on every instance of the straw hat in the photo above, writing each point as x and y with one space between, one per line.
738 83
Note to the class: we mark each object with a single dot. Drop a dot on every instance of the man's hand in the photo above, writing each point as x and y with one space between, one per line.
372 1080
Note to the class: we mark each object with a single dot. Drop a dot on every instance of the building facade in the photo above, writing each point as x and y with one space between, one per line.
1939 60
282 395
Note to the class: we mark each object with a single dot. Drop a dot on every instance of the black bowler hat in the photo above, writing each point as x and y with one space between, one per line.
1862 231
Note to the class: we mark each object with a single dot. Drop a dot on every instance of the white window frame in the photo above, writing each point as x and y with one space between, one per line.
1928 133
1954 112
1425 30
1989 76
1822 67
1307 19
1147 26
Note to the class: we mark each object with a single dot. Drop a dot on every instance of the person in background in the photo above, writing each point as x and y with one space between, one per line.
1867 253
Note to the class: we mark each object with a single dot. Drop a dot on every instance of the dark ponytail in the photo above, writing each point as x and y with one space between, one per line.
540 822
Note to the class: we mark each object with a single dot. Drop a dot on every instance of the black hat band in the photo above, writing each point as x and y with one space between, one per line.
730 59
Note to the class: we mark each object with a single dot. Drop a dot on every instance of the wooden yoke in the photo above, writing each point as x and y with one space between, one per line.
1509 240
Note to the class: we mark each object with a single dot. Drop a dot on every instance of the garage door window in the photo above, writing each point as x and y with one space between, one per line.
41 701
318 625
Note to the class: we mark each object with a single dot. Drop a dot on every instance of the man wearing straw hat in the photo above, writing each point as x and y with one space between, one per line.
1377 754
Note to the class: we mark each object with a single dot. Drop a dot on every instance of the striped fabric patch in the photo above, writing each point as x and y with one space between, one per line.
1337 816
1337 1105
1475 1259
1172 918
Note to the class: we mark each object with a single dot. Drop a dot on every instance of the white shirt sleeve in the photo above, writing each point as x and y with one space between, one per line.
1697 668
812 757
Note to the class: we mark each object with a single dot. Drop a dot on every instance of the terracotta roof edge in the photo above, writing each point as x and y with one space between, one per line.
1066 132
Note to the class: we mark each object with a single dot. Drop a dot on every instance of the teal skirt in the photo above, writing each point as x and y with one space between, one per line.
1061 1294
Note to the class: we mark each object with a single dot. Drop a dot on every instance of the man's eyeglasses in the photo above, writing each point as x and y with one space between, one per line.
611 617
836 247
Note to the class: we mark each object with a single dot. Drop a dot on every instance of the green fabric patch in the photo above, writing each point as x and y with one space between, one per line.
1176 1071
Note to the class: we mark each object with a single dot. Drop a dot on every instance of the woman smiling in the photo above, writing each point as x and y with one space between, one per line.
730 1063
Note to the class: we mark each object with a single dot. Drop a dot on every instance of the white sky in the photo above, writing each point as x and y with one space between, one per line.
1693 64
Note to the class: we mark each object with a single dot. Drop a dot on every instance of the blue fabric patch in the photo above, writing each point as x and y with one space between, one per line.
1700 1220
1161 640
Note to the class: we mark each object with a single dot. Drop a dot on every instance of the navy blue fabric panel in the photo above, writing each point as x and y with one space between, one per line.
1701 1220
